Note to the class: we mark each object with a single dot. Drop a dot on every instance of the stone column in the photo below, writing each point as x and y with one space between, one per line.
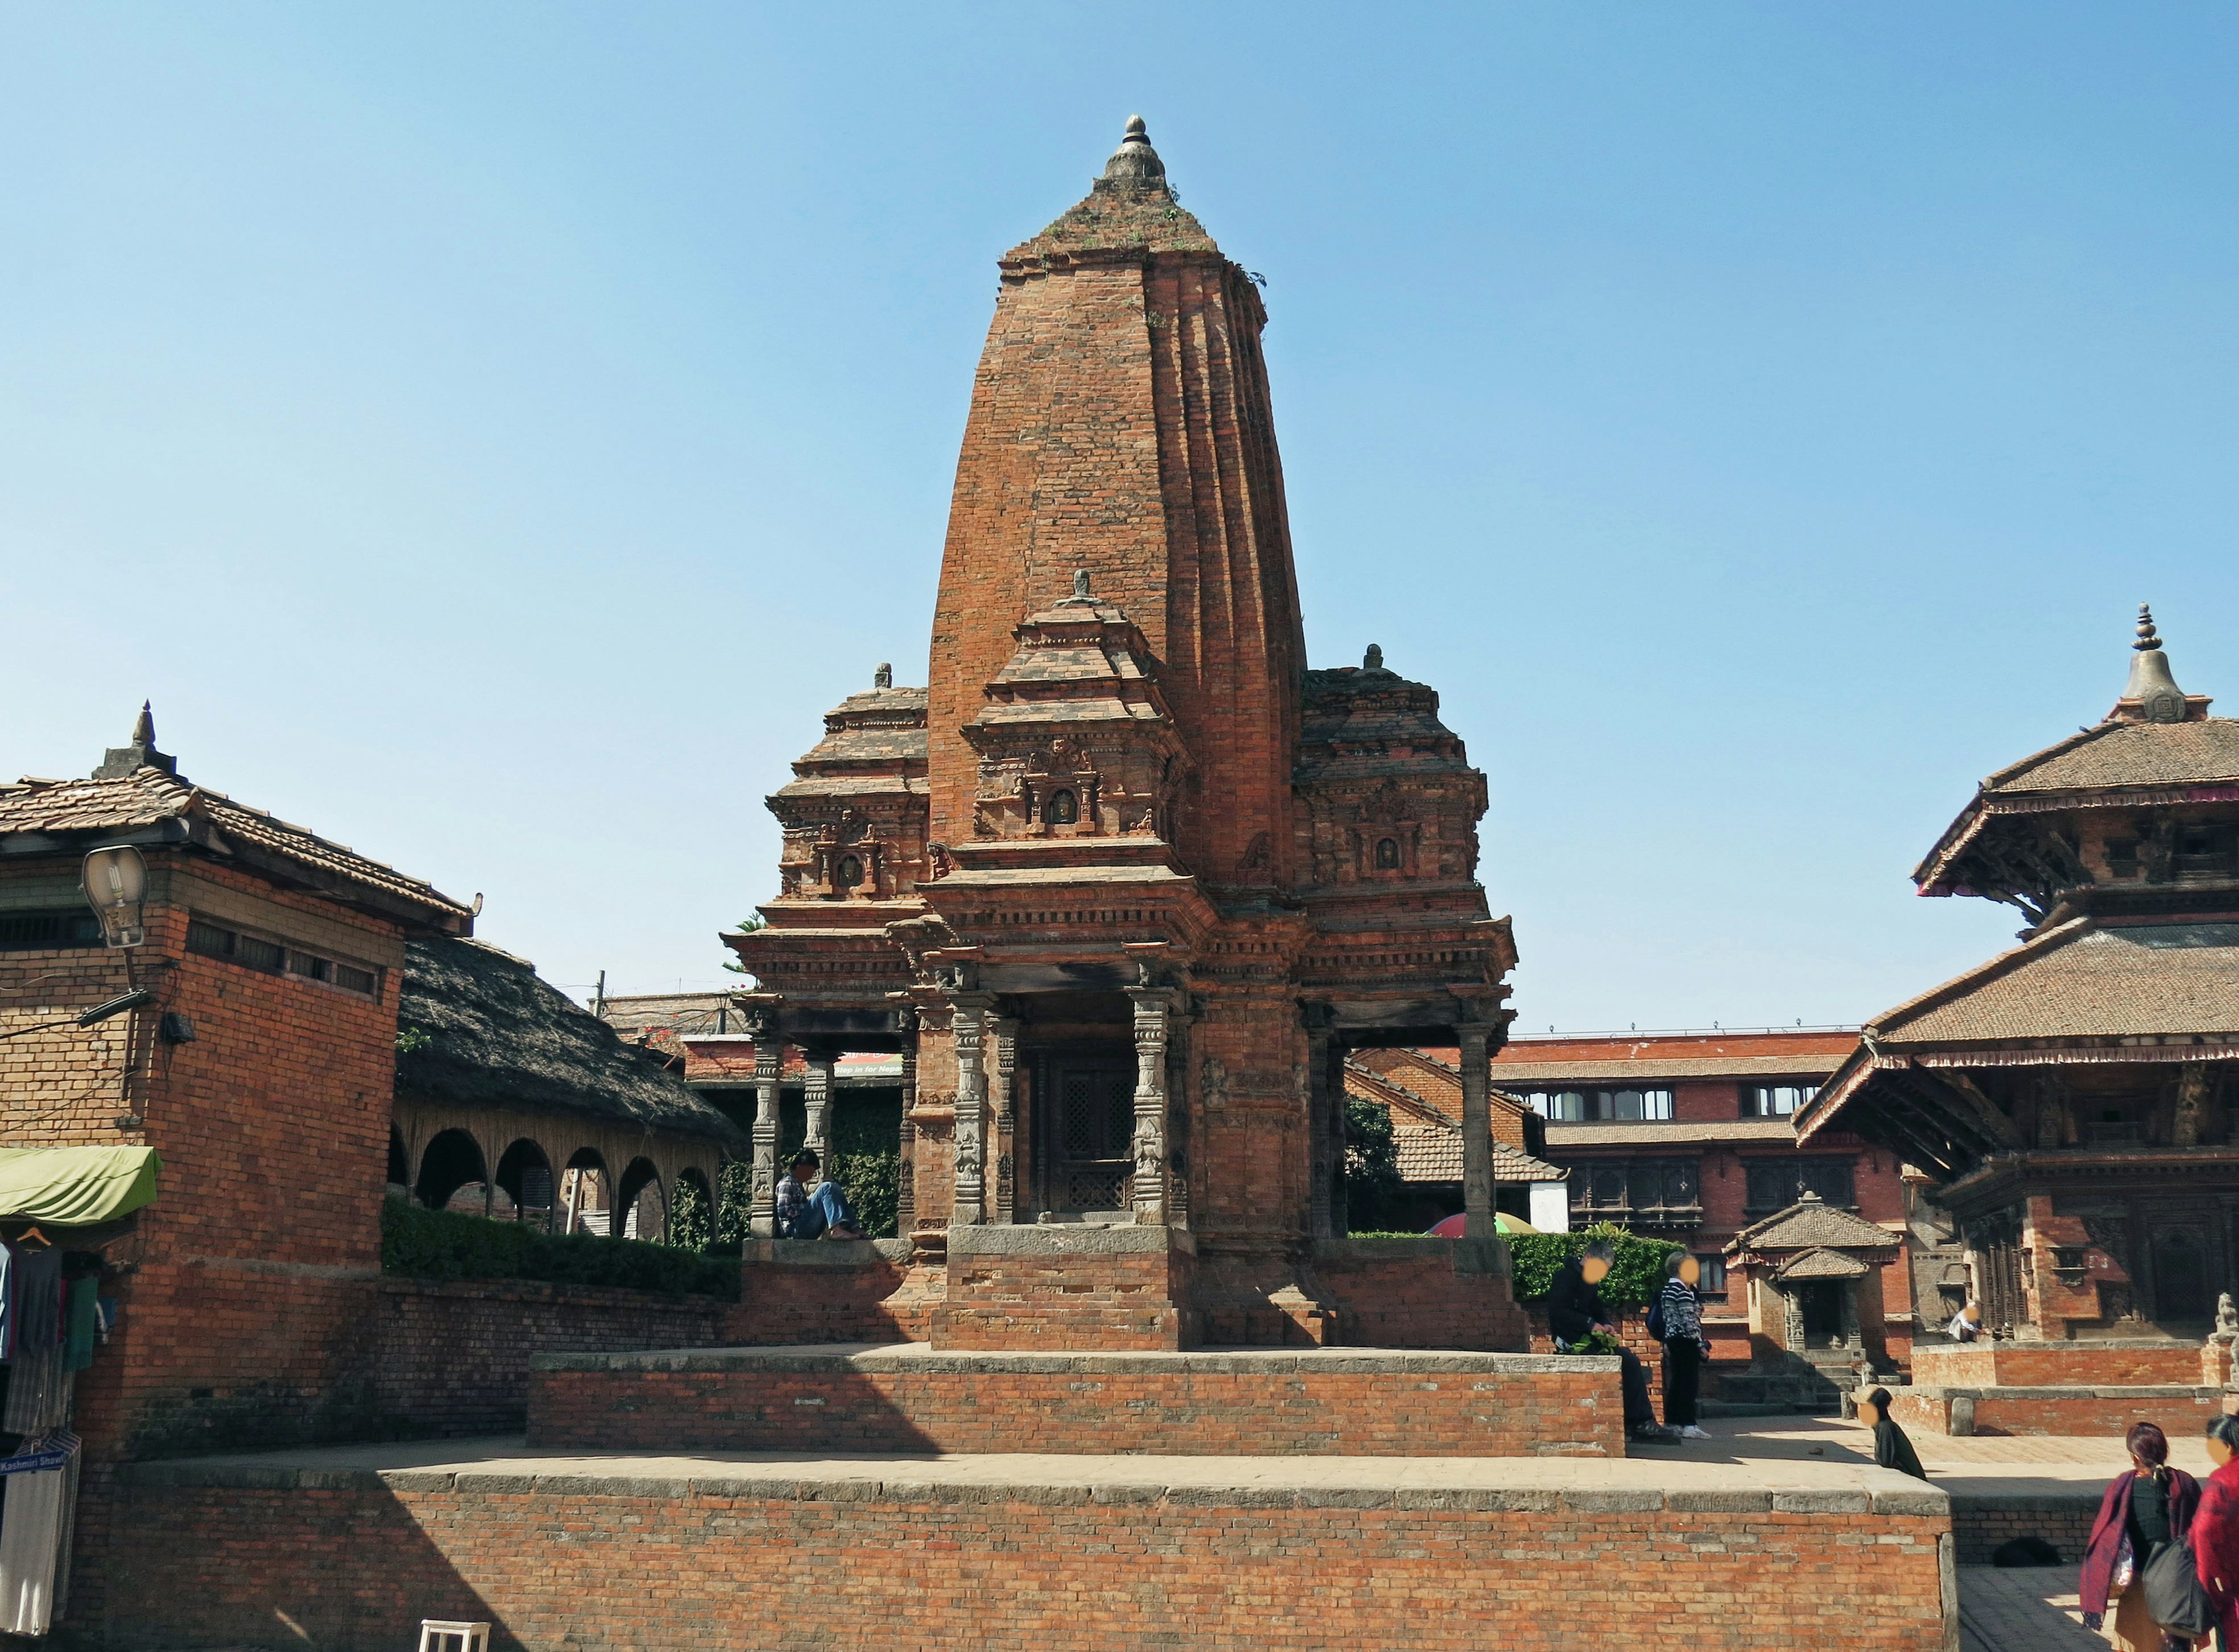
2191 1104
817 1105
1001 1095
769 1053
1154 1027
970 1022
1853 1332
906 1173
1324 1122
1476 1128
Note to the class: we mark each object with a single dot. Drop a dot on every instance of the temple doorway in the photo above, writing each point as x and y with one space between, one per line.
1085 1118
1822 1304
2179 1274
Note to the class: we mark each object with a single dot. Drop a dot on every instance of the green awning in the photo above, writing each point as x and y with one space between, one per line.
75 1187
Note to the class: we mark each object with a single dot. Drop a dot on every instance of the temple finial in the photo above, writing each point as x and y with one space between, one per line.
121 762
1135 161
2151 695
1373 659
884 676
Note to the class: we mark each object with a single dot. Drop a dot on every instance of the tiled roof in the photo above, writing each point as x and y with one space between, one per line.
2129 754
494 1033
152 805
1810 1225
1821 1264
2086 979
1432 1154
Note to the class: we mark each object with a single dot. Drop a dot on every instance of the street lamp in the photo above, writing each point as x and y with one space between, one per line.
115 883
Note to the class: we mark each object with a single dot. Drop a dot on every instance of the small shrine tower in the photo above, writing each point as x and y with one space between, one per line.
1125 880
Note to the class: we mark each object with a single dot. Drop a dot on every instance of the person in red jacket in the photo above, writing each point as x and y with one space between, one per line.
2151 1505
2216 1530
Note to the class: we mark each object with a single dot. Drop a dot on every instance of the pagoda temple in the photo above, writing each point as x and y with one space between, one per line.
2076 1098
1125 881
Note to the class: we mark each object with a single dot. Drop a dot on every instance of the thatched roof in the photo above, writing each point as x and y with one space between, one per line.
496 1035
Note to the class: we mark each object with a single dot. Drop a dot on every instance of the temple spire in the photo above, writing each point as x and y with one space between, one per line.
2151 695
120 762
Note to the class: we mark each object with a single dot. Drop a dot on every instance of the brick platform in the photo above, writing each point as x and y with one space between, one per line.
666 1554
1333 1402
1073 1286
2055 1409
2116 1362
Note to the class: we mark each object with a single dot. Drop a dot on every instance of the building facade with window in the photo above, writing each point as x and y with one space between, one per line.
1691 1138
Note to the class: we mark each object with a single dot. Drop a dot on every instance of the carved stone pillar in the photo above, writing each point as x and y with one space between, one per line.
817 1106
1153 1027
1476 1128
1002 1097
1324 1122
970 1021
906 1173
769 1053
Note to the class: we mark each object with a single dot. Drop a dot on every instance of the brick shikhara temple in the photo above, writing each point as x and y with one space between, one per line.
1125 880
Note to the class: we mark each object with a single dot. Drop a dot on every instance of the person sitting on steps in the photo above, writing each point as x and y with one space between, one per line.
1575 1312
817 1213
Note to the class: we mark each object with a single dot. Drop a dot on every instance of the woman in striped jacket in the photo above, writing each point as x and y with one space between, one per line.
1685 1348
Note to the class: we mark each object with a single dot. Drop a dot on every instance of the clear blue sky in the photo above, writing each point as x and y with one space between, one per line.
495 434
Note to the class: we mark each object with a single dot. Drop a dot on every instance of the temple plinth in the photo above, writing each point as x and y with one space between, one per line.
1125 881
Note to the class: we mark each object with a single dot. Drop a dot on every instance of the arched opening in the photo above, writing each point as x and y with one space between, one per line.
453 1161
400 1162
585 1194
1063 808
691 1213
642 1205
848 874
1387 854
524 1177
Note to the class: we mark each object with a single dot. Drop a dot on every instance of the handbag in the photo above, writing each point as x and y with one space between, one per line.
2173 1597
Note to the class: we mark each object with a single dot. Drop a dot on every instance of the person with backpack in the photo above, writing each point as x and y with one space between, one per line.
2143 1511
1677 1322
1576 1312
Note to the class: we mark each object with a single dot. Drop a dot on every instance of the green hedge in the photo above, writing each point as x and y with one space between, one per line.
1636 1273
443 1244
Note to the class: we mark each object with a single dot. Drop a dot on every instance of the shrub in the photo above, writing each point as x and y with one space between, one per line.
443 1244
1372 1187
691 1224
1636 1272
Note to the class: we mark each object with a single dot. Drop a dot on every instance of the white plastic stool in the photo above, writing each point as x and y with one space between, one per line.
437 1636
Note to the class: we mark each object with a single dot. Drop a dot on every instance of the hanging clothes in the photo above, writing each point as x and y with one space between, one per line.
31 1526
8 1283
38 1387
80 1319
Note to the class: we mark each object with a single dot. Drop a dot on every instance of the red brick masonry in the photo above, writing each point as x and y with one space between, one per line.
1337 1402
351 1562
2181 1412
2120 1363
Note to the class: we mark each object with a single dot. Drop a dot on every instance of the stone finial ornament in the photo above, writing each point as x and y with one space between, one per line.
1082 594
2227 1316
2151 695
884 676
119 762
1135 161
1373 659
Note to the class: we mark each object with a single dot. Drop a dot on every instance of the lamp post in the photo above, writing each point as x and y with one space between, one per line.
116 884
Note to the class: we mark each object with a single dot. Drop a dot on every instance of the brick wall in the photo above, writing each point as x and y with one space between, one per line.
852 1293
352 1565
1093 1300
2183 1413
1196 1404
1388 1295
2108 1364
1979 1524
